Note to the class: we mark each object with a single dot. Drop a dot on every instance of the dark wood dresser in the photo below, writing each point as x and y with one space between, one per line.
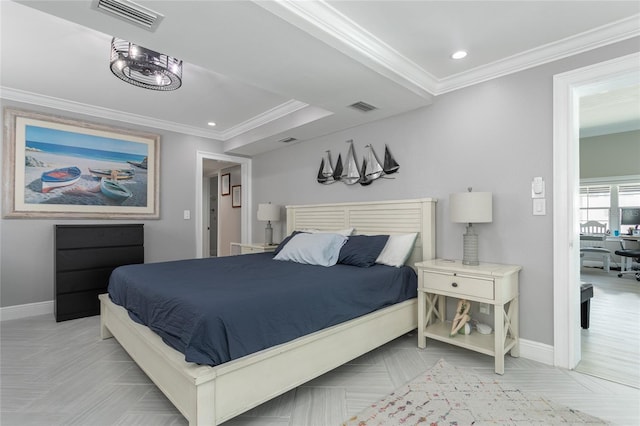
85 256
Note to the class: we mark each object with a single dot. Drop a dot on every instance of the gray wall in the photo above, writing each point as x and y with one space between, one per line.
494 136
616 154
26 245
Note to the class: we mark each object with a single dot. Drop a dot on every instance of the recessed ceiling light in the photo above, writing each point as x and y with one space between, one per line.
211 123
459 54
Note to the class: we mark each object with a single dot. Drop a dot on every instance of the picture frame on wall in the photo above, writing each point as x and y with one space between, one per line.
236 196
225 184
57 167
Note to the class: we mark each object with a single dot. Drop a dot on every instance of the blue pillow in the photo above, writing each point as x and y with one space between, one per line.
313 249
362 250
284 242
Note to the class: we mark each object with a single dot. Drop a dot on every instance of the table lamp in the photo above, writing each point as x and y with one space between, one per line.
470 207
268 212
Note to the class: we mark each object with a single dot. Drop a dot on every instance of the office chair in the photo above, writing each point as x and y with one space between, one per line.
628 255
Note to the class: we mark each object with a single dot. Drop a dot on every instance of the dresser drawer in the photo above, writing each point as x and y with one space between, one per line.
459 285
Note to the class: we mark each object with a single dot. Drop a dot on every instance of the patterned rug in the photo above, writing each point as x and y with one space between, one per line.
446 395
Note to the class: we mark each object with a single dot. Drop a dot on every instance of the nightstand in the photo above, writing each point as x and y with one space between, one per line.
241 248
493 284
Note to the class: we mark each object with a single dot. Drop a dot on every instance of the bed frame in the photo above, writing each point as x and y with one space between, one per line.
211 395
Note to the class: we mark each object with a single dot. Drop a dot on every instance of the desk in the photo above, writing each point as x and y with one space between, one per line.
593 237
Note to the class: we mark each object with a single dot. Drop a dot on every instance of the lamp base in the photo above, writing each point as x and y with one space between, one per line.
470 247
268 234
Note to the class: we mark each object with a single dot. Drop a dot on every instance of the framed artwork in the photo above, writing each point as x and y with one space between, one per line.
225 186
236 196
59 167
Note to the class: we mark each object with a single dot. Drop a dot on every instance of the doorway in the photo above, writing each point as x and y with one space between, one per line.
207 165
213 216
567 90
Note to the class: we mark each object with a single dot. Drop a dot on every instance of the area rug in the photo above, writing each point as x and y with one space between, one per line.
446 395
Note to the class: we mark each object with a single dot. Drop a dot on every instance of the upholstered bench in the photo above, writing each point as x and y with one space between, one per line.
586 293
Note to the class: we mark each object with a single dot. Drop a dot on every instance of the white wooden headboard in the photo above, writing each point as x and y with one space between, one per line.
373 218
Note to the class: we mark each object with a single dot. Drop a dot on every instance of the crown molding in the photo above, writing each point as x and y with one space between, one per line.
100 112
609 129
334 28
327 24
598 37
266 117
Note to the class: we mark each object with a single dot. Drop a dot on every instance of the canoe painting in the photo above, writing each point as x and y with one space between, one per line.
114 190
122 174
60 177
142 164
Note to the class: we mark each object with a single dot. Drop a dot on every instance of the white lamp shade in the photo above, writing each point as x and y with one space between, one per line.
268 212
471 207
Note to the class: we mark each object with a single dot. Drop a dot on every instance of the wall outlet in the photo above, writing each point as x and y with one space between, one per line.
485 308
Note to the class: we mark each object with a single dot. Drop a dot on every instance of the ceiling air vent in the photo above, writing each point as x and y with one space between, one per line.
130 12
287 140
362 106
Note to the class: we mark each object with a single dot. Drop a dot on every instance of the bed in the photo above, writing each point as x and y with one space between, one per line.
210 395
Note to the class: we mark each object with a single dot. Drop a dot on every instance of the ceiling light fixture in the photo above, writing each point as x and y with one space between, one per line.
143 67
459 54
211 123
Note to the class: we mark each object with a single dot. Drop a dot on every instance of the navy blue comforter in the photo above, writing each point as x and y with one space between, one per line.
218 309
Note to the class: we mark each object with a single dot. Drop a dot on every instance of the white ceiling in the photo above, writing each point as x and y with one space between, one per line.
267 70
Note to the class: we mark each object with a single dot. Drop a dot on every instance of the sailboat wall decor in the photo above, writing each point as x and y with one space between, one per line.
373 170
390 165
325 174
349 173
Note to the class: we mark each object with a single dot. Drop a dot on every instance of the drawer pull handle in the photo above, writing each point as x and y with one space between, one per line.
454 284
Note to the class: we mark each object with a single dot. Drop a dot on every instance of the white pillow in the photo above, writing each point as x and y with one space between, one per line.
345 232
397 249
322 249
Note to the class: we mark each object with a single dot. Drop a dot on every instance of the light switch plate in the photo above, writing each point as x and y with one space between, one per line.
539 207
187 214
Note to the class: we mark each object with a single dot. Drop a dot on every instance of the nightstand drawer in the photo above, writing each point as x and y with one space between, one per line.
459 285
249 250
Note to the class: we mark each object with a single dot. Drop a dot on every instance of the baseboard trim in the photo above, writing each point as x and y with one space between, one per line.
27 310
536 351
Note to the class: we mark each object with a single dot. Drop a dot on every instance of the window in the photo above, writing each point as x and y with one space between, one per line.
629 195
601 201
595 203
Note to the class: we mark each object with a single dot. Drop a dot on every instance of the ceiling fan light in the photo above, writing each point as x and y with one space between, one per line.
144 67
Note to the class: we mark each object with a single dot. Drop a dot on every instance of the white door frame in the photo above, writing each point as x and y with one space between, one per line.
567 90
245 179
